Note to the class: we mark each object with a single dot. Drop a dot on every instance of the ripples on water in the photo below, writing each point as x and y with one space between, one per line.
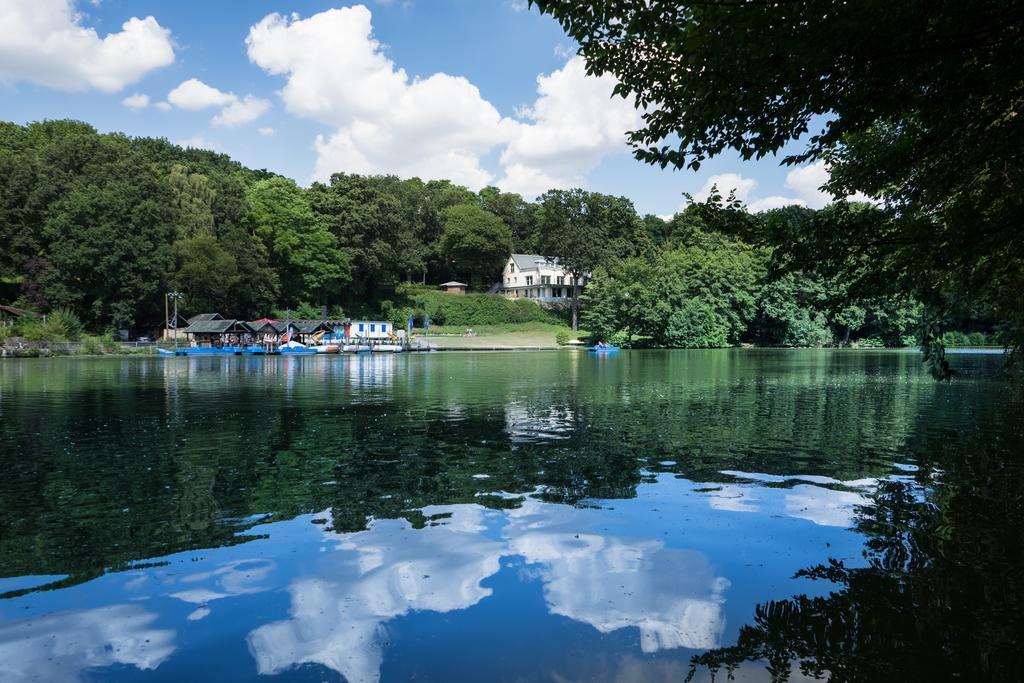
541 516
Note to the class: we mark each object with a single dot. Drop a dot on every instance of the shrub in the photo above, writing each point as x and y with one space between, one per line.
68 322
563 337
696 326
871 343
60 325
621 339
92 346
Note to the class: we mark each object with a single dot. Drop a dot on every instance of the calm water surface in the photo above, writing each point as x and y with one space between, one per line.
765 515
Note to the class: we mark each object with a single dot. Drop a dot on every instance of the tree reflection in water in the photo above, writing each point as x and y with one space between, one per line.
940 599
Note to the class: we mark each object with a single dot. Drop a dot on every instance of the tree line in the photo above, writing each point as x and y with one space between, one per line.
101 226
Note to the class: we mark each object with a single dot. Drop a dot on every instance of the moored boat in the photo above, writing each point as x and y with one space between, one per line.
327 348
295 348
607 348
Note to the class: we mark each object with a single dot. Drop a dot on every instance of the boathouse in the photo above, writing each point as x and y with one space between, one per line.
218 332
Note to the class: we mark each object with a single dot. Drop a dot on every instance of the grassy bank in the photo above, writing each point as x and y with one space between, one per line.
509 335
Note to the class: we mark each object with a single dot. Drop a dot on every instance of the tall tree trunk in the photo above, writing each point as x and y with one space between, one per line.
575 305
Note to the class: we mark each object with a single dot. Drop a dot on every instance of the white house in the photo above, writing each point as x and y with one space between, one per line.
532 276
370 329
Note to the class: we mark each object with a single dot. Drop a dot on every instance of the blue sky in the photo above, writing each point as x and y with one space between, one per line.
436 88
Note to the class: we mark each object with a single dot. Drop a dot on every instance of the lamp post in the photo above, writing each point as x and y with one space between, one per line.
173 322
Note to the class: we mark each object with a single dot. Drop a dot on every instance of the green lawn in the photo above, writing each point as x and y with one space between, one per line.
489 336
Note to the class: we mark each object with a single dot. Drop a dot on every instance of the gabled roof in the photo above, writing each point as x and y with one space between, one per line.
17 312
218 327
532 261
312 326
202 317
264 325
303 326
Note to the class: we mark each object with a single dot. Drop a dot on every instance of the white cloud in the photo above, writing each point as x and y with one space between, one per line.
336 73
241 111
726 183
163 106
193 95
44 42
439 126
265 131
671 595
197 142
563 51
774 202
337 617
136 101
806 181
574 123
60 647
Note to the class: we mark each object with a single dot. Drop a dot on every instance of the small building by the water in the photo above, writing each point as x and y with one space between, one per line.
371 329
209 331
453 287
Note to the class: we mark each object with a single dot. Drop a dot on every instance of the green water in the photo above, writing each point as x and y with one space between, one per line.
511 516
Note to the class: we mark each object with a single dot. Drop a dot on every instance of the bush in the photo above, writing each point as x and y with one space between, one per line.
471 309
563 337
871 343
621 339
92 346
696 326
60 325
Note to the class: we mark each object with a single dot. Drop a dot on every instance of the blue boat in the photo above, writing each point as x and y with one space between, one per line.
254 350
294 349
603 349
210 351
166 352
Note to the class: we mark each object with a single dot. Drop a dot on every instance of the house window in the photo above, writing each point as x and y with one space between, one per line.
545 279
529 280
373 328
360 327
561 279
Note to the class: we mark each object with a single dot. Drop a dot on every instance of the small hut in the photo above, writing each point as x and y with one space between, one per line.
219 332
9 314
453 287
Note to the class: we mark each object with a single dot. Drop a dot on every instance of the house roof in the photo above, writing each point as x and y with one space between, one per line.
311 326
263 325
304 326
17 312
532 261
202 317
218 327
453 283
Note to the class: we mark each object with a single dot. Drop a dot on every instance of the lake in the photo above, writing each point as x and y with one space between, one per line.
647 516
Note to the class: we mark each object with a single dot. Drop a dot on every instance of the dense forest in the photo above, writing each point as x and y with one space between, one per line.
98 227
